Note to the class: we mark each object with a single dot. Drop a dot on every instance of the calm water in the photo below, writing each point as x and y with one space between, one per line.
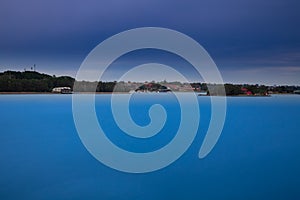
257 156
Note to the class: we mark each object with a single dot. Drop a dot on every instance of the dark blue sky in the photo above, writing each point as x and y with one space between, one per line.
250 41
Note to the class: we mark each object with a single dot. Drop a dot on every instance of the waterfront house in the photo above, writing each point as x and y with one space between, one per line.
62 90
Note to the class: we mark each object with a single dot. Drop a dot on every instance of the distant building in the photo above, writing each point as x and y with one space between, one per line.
246 91
203 93
62 90
297 92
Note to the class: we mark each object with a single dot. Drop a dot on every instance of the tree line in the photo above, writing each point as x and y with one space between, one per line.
31 81
254 89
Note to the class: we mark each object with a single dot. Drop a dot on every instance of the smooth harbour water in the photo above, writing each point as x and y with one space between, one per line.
256 157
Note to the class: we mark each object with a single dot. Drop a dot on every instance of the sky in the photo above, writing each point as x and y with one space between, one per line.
251 41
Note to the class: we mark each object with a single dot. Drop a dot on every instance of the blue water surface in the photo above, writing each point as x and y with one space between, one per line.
256 157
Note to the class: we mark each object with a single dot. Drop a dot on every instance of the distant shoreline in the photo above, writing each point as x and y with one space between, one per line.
51 93
26 93
4 93
32 82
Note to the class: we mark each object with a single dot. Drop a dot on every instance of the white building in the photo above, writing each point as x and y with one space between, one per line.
62 90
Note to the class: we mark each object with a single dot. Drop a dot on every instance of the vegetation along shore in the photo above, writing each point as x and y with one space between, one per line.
32 82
